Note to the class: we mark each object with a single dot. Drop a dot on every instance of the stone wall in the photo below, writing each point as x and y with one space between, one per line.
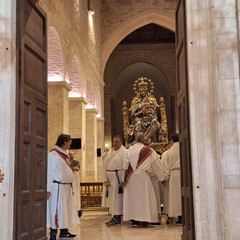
116 12
213 68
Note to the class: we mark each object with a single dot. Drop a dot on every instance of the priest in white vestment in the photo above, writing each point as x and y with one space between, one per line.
140 204
112 176
154 180
61 211
171 166
75 165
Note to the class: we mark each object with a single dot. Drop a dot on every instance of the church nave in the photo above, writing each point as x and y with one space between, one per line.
92 227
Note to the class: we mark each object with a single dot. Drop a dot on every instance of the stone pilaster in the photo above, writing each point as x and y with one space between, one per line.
57 110
107 114
8 116
90 171
100 145
77 126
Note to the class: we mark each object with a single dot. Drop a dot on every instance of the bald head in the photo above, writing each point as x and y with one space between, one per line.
147 141
71 154
140 137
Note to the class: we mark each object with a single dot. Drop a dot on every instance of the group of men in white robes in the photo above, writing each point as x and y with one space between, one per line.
135 169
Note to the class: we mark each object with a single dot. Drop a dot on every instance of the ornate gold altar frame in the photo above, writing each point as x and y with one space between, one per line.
157 146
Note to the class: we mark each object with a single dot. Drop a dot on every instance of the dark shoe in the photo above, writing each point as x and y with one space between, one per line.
67 235
112 219
179 222
145 224
135 224
53 234
155 223
113 222
79 213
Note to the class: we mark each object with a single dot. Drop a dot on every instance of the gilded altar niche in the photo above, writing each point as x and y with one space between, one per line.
145 116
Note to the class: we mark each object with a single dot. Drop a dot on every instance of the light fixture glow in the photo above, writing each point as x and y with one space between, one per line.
55 78
89 106
90 11
74 94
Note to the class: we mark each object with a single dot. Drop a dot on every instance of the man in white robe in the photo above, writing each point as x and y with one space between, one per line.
165 184
76 182
171 166
105 199
112 176
140 204
61 211
154 180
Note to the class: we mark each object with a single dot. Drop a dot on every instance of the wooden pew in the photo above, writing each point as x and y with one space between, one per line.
91 194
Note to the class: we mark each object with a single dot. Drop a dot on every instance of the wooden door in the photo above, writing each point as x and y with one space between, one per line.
184 131
31 124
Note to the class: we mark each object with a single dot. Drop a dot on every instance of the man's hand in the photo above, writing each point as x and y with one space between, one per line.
1 176
107 184
48 195
76 168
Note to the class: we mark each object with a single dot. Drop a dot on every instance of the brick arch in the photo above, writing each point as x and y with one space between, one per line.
158 17
147 58
75 77
55 56
90 93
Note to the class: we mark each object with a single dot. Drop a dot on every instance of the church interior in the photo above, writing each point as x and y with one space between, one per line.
88 58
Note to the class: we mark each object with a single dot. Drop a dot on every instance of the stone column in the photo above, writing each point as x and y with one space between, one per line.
57 110
213 70
100 145
90 171
107 115
77 127
8 115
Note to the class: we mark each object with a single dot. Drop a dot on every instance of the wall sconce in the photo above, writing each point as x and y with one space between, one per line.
90 11
106 148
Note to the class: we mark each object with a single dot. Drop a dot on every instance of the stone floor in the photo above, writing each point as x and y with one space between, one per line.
92 227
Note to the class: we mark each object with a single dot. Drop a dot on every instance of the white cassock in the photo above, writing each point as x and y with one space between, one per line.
76 185
139 201
105 198
171 166
156 187
61 201
76 190
114 161
165 184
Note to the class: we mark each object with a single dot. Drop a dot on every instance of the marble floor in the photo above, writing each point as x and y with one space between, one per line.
92 227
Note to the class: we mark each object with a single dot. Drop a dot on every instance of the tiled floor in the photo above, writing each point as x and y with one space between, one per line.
92 227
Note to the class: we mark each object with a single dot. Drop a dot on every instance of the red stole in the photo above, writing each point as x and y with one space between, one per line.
63 156
144 154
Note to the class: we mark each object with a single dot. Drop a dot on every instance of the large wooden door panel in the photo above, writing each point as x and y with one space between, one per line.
184 128
31 164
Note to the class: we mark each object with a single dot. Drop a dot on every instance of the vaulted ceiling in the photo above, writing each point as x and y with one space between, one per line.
149 34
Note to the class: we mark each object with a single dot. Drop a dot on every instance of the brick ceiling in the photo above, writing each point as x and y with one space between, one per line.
149 34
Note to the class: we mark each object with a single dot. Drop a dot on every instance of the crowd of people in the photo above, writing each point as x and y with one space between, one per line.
137 179
140 182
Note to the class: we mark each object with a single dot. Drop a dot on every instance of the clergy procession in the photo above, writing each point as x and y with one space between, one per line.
137 180
139 184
